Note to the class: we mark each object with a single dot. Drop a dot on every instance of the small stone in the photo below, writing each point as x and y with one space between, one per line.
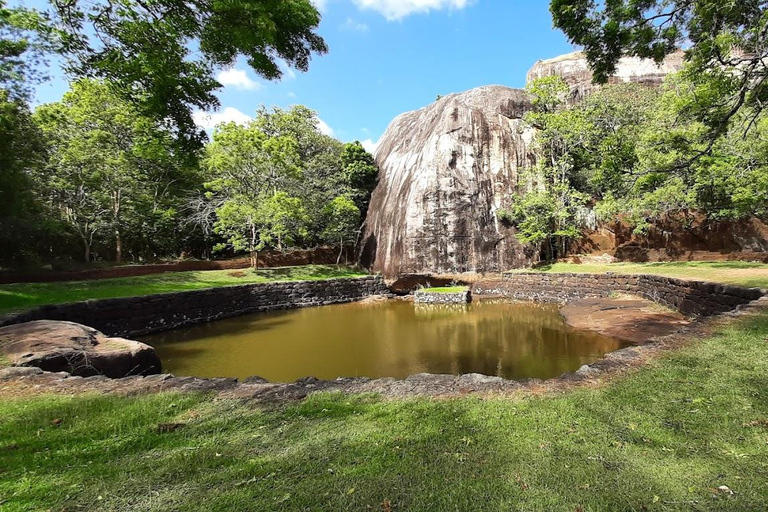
255 380
18 371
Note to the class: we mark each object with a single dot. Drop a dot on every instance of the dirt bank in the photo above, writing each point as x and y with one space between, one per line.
626 318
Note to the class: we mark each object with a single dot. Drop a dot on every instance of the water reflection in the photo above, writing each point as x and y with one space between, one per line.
384 339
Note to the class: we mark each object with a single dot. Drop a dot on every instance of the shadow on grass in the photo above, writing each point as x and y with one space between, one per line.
336 452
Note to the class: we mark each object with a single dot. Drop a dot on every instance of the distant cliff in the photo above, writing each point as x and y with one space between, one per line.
573 68
446 170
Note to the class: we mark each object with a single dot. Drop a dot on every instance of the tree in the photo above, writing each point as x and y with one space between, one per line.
283 221
250 171
547 213
343 222
678 170
328 166
25 38
23 219
163 55
360 174
726 57
110 169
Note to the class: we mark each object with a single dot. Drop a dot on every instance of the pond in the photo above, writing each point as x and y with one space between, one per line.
391 338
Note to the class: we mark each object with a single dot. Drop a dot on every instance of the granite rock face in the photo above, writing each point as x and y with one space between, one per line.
447 169
573 68
57 346
444 173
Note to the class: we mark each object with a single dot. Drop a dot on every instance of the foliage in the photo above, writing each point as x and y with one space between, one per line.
93 170
726 53
24 230
360 173
163 55
342 218
277 182
547 219
251 171
637 154
25 39
111 172
546 214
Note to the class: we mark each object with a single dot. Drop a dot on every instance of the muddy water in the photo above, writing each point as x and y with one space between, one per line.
384 339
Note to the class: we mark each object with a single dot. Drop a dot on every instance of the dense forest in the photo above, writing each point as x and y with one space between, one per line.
117 170
90 177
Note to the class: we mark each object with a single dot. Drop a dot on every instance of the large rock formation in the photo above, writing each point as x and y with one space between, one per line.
444 171
447 169
573 68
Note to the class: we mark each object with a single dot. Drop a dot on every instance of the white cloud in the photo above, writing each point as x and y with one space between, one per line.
320 4
238 79
370 146
291 94
354 26
288 73
398 9
209 121
324 128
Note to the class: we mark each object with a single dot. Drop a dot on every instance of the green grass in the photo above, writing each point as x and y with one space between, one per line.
445 289
663 438
731 272
26 295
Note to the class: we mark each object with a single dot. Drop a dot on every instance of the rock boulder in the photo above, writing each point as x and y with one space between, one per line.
77 349
445 171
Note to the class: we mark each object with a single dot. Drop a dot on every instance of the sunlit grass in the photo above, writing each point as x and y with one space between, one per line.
743 273
664 438
26 295
445 289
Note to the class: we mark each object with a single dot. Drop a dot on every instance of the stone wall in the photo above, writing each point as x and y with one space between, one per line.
689 297
427 297
136 316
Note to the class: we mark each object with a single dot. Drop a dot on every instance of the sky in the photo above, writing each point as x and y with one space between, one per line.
387 57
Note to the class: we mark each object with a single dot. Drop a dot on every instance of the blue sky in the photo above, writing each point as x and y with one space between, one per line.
389 56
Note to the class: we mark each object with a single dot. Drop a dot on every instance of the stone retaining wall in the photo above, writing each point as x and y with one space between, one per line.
694 298
426 297
136 316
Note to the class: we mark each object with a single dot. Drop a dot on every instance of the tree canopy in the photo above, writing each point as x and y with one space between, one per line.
726 41
279 181
162 55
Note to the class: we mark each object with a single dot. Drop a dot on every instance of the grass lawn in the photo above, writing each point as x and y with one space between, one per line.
732 272
664 438
445 289
25 295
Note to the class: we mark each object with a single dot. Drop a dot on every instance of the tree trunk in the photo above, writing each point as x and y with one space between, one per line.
254 252
118 247
87 251
341 250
